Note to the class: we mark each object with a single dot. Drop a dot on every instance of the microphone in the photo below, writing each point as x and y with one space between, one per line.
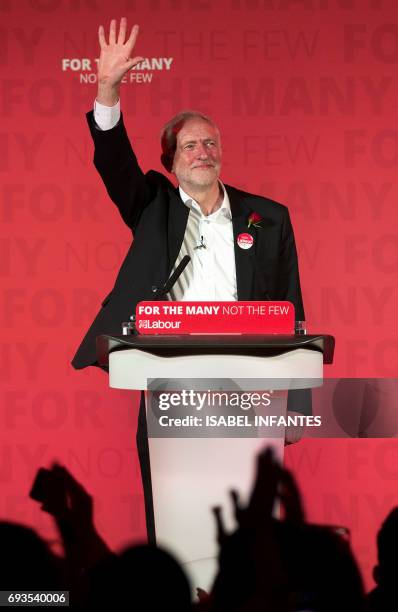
201 245
129 328
169 284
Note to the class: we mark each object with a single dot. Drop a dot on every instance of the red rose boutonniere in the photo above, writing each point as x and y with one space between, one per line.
255 220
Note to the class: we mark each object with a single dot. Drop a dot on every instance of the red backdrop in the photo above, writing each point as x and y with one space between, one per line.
305 96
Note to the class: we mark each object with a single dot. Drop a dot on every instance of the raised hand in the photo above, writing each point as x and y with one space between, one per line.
71 505
115 60
252 574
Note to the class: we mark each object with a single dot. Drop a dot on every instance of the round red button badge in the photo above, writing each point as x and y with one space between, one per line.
245 241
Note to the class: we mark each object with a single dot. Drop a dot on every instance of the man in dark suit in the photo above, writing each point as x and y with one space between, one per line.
202 217
161 216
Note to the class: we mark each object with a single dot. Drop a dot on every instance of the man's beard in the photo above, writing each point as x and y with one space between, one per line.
195 180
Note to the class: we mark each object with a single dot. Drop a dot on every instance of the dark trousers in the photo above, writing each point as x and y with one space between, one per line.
143 455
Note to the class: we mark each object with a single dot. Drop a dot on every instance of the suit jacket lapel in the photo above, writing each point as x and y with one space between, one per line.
177 223
244 258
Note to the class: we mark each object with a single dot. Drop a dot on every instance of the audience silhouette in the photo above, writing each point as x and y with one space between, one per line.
273 561
27 562
384 596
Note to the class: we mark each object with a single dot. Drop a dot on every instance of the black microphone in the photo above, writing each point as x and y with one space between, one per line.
201 245
169 284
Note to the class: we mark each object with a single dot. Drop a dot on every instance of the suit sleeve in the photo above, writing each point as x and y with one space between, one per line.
288 283
118 167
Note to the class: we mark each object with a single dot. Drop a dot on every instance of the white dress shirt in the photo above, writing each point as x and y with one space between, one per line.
211 273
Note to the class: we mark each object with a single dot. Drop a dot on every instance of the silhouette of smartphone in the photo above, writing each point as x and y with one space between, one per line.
42 486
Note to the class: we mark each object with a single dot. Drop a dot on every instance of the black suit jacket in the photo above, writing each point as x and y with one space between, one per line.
151 206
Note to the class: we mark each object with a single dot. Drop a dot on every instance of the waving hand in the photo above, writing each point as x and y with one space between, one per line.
115 60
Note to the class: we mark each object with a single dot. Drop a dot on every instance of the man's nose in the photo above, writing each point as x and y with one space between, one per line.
202 151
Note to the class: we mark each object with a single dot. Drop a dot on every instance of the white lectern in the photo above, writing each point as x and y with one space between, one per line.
190 475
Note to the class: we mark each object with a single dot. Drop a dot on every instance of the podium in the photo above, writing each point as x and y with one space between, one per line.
191 473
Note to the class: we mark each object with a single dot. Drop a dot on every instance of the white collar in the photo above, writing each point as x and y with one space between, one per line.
225 208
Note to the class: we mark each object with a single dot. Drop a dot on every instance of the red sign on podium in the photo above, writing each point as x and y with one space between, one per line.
215 318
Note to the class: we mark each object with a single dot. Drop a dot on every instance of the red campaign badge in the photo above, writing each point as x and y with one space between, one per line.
245 241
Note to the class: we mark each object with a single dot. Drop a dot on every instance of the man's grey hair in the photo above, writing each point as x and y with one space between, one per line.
168 135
